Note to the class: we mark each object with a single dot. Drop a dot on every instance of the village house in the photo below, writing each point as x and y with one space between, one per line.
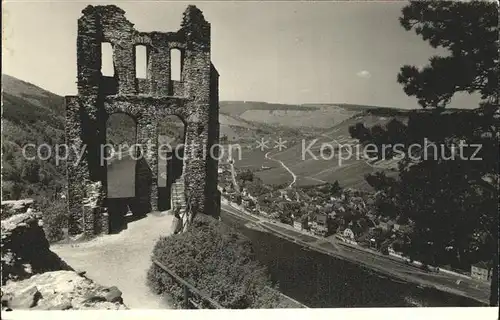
282 194
386 226
319 224
246 202
481 271
349 236
348 233
297 225
244 192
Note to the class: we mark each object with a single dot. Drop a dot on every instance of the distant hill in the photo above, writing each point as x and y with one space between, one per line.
312 116
237 108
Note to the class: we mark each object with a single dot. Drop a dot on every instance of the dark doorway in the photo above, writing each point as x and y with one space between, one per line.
170 158
121 170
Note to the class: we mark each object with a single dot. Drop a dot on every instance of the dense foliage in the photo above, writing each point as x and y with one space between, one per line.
25 175
216 260
33 116
449 191
55 218
469 32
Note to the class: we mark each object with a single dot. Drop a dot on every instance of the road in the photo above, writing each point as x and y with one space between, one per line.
294 177
233 176
392 267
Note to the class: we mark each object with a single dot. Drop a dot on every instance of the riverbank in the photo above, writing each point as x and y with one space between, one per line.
395 268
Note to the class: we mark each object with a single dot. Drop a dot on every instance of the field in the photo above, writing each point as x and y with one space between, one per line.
332 163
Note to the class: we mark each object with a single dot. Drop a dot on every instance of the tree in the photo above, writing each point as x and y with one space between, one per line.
246 175
469 31
238 199
30 171
360 132
290 209
379 181
332 225
255 187
453 207
396 131
304 222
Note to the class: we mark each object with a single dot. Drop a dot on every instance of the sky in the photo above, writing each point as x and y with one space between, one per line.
281 52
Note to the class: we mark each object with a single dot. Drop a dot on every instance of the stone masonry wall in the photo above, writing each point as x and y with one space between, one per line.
194 99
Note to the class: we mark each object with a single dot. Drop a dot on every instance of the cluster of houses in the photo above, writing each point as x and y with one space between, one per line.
481 271
345 215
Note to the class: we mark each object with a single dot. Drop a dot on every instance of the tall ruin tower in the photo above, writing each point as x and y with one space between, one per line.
194 99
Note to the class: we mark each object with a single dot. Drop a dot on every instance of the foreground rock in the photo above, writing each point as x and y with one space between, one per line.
34 277
12 207
60 290
25 250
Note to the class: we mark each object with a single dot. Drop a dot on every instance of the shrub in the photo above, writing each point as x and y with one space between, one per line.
216 260
55 218
6 213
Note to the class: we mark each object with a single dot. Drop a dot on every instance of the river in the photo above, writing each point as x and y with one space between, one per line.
322 281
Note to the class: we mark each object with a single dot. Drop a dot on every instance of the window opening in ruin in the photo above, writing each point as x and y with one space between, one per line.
107 66
141 61
121 135
175 64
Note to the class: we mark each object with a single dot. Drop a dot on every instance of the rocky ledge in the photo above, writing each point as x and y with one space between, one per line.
60 290
12 207
34 277
25 250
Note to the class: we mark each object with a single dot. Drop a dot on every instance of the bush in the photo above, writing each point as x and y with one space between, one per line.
55 218
7 213
216 260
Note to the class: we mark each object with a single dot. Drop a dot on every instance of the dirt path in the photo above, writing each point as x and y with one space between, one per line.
294 177
122 259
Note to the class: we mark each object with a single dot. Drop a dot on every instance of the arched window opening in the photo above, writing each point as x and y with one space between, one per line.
107 66
121 136
141 61
175 64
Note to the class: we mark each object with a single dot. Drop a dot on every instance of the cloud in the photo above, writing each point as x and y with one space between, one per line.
364 74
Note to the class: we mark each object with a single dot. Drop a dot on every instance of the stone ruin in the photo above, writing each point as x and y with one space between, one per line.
194 99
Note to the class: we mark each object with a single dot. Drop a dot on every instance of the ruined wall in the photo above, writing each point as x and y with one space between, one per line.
194 99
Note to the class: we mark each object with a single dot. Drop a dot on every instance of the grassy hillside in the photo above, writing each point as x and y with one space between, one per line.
237 108
287 115
329 168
